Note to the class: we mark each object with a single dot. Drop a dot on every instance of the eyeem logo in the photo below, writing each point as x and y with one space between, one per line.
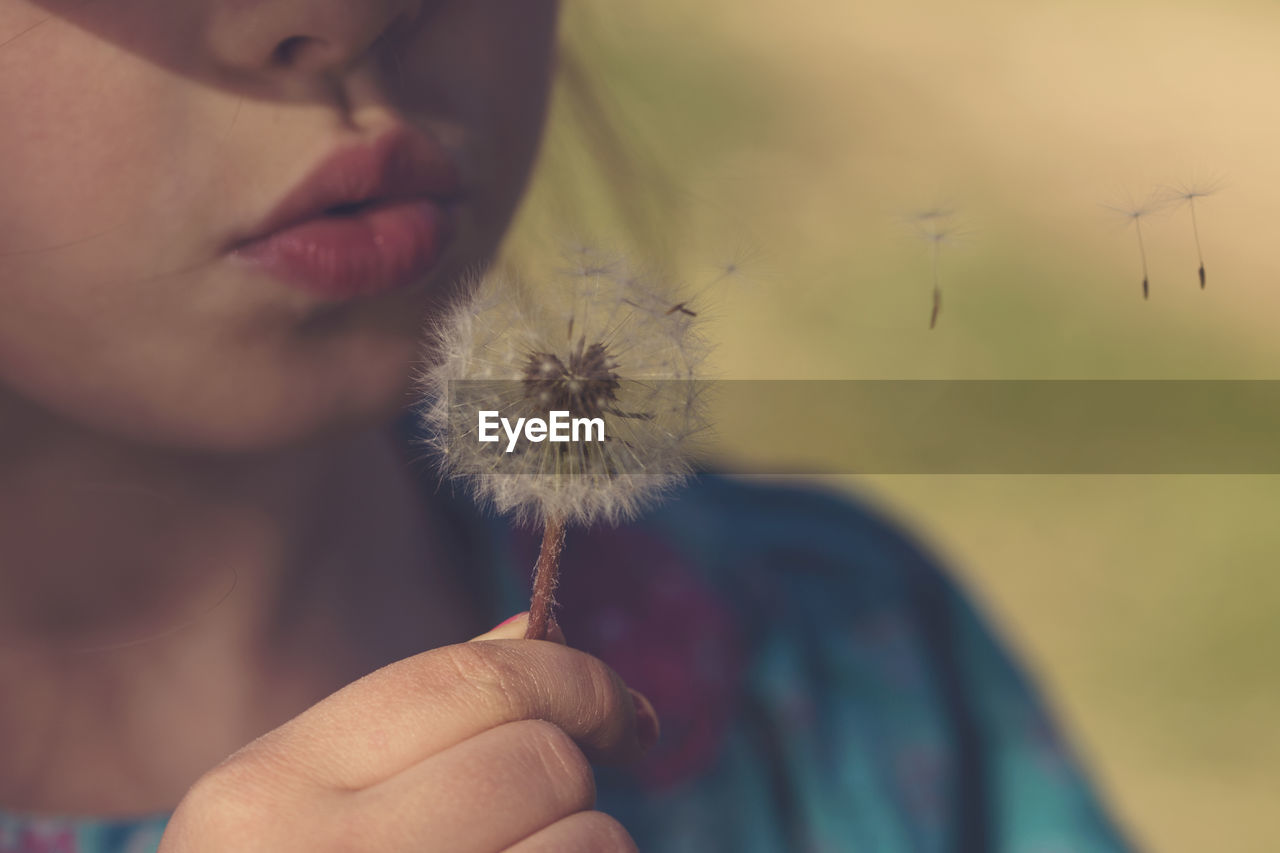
558 428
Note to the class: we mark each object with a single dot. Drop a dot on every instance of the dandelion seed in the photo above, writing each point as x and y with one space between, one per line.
1187 194
934 225
746 265
741 269
1135 213
605 345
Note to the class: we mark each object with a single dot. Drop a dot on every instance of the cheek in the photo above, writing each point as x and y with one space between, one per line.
82 331
70 154
518 80
516 74
488 63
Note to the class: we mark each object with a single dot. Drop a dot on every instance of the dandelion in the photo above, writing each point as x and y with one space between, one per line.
600 340
1135 214
1187 194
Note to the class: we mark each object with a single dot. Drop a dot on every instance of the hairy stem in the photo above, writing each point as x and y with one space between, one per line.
545 575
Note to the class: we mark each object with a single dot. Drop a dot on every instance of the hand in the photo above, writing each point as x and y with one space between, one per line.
479 747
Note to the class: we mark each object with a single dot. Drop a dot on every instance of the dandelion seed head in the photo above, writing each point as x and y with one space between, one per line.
1133 211
745 266
1189 191
939 225
932 214
592 337
1190 194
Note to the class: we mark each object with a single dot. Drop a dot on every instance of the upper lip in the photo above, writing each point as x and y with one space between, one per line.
400 165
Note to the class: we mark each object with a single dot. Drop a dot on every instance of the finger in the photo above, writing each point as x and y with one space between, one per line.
584 832
398 716
482 795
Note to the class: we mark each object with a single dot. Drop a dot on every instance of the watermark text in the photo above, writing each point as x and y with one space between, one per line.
557 427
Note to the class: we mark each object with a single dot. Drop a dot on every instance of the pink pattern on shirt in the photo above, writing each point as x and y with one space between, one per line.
35 838
633 601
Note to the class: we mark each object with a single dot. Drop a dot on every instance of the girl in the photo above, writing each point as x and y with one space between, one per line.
234 617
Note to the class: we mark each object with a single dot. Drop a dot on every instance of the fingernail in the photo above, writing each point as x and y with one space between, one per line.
509 620
647 726
498 629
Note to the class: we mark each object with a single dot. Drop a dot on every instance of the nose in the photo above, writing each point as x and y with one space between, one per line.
300 37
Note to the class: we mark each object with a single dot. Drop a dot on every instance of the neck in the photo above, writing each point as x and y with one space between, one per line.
104 540
209 597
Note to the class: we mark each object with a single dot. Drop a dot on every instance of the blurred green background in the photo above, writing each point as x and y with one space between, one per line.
797 140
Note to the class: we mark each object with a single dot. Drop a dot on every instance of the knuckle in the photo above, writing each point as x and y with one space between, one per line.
230 790
227 805
595 688
566 769
242 803
601 692
494 673
246 806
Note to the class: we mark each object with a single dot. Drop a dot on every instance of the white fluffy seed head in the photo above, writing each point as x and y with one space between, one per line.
596 337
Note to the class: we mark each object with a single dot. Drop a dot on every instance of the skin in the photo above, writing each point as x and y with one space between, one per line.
208 528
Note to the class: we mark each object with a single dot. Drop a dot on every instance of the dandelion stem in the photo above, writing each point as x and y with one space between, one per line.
1195 231
1142 252
545 575
937 289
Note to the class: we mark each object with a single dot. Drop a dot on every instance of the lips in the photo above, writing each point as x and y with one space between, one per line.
368 219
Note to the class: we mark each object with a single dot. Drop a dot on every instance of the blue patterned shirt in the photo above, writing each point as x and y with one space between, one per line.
823 686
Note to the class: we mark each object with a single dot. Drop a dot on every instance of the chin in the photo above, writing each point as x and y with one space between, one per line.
269 430
246 409
267 418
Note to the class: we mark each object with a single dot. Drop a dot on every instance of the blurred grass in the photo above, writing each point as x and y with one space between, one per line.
810 131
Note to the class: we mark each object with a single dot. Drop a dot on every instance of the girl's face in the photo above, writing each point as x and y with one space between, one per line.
139 138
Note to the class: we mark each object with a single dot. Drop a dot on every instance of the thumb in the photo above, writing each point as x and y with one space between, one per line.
514 629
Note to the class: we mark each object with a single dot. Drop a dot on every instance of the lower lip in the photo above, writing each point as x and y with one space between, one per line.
345 257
